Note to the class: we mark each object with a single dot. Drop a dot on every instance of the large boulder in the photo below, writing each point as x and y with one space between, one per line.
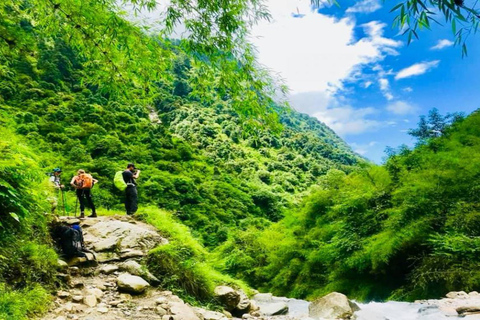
332 306
274 309
227 296
457 295
115 234
182 311
133 284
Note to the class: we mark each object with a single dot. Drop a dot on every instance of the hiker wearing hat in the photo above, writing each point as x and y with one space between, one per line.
83 183
130 175
57 184
55 178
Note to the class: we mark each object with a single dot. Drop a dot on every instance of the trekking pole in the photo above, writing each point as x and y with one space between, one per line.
63 201
76 205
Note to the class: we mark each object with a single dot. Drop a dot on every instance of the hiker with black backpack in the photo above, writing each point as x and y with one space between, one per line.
83 183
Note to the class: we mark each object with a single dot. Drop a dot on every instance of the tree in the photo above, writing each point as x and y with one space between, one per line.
129 59
435 126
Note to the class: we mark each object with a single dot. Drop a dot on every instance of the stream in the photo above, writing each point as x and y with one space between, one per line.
392 310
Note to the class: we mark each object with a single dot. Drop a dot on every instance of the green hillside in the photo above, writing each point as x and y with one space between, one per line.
406 230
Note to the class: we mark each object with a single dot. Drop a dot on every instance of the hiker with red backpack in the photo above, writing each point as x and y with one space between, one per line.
83 183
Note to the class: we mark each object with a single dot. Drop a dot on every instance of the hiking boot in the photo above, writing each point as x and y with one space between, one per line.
93 215
82 215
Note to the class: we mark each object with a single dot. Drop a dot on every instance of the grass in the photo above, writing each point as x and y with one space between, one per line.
185 266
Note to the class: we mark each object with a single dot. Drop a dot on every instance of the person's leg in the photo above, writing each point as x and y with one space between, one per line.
134 206
81 199
88 196
128 199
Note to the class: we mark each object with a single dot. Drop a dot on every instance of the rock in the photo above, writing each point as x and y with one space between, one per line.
227 314
181 311
93 291
160 311
227 296
128 254
243 305
60 318
77 299
133 267
109 268
62 265
474 294
254 306
274 309
102 309
90 300
108 244
161 300
332 306
209 315
126 234
168 317
457 295
263 297
76 261
465 310
133 284
104 257
63 294
115 303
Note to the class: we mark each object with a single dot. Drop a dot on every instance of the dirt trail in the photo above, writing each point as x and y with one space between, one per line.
119 286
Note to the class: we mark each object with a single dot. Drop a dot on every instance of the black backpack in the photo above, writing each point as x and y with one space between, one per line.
71 241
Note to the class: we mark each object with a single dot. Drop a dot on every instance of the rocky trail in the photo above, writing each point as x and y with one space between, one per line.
118 286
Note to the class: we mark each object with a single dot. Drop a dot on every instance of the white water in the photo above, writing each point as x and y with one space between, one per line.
298 309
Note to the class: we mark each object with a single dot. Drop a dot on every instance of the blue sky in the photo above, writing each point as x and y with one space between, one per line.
347 67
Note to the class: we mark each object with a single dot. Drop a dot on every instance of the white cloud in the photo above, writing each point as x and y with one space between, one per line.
401 108
347 120
408 89
317 52
417 69
385 88
443 43
365 6
363 149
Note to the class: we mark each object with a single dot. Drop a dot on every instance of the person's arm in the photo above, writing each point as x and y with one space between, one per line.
73 183
136 175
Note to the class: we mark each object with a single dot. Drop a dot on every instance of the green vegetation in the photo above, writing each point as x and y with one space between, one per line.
408 229
239 184
26 257
203 129
183 265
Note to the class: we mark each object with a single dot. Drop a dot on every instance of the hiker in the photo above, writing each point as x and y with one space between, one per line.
83 183
131 196
57 184
55 178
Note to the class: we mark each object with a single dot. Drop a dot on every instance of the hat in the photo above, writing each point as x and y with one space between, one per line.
131 165
57 170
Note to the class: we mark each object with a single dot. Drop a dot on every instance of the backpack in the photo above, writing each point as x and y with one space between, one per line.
71 241
119 182
84 181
